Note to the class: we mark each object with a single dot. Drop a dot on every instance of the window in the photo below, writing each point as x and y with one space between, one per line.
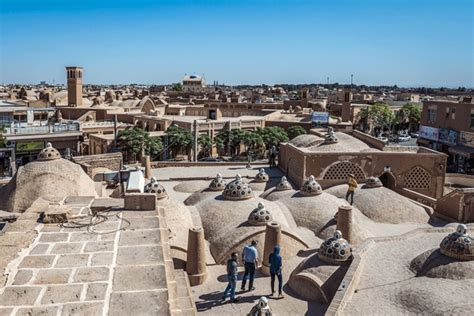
432 114
447 112
453 113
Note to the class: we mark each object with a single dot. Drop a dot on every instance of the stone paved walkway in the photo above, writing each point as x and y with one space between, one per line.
68 271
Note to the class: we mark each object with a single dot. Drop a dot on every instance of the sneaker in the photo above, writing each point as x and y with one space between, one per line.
281 295
235 300
273 294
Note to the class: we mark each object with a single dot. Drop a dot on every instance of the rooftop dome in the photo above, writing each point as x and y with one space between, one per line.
155 187
261 176
283 185
260 216
458 245
237 190
217 184
373 182
335 250
311 187
50 179
49 153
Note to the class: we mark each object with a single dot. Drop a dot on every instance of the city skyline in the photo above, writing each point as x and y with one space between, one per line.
409 44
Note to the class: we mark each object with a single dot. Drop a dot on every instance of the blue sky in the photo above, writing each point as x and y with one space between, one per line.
403 42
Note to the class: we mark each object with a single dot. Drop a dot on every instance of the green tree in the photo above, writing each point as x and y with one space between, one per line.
231 139
205 143
180 140
135 141
252 141
294 131
177 87
272 135
409 116
376 118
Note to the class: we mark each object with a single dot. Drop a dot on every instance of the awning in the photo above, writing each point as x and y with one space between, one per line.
462 150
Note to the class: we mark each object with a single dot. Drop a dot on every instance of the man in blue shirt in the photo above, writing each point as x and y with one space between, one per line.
250 260
232 272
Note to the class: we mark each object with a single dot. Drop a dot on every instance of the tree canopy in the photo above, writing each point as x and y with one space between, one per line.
294 131
409 115
272 135
179 139
376 117
135 141
205 143
177 87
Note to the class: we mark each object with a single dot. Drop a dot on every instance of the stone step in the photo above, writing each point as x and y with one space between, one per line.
184 302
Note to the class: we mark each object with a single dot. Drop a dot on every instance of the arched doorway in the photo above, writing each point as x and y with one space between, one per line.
388 180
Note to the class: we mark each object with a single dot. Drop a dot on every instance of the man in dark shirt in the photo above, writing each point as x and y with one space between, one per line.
232 272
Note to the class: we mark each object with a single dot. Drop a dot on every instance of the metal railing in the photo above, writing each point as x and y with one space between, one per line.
47 129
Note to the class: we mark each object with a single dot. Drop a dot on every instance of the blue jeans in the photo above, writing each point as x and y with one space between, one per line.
249 272
280 281
230 287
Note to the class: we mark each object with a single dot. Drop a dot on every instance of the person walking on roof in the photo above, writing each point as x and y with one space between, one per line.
352 186
232 272
276 263
250 260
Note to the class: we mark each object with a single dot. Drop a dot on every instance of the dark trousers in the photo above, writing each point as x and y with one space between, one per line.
280 281
272 161
249 270
351 194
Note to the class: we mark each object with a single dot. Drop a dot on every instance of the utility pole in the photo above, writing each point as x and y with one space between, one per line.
352 77
327 80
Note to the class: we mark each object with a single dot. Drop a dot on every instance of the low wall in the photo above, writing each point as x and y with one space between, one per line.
112 161
460 179
418 197
366 138
168 164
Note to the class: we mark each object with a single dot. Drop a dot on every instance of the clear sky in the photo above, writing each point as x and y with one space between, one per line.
403 42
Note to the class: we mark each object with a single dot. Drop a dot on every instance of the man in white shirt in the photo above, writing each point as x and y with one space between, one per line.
250 260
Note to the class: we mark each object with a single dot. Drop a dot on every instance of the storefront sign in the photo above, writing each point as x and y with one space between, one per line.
448 136
466 139
30 146
320 117
430 133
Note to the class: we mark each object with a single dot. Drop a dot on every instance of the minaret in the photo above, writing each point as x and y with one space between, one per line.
74 86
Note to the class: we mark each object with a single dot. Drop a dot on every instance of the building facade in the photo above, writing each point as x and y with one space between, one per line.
449 127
